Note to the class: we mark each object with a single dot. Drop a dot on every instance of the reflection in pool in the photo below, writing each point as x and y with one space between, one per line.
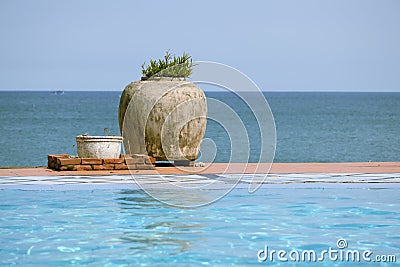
127 227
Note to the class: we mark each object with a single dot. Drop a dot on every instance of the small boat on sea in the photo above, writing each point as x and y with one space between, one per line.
58 92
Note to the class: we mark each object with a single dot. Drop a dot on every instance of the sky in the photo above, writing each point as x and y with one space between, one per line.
283 45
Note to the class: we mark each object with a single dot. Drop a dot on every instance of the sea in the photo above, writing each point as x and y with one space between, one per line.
310 126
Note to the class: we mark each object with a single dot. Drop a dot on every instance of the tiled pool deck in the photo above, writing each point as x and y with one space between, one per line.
372 174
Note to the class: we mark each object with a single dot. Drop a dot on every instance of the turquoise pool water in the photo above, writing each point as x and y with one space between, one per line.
128 228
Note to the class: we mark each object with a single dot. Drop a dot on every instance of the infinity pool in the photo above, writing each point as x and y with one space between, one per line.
128 228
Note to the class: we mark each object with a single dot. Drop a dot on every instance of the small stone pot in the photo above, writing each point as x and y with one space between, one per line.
99 147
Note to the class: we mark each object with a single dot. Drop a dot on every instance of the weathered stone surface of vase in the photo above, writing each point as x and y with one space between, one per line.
164 118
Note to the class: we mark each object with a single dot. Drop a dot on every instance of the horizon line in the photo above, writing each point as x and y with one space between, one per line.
271 90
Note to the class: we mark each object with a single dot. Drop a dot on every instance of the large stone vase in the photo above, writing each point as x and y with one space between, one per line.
164 118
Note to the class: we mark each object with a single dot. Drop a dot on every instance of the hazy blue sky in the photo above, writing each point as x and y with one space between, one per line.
281 45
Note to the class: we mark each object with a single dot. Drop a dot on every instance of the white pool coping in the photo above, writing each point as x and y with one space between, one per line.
290 180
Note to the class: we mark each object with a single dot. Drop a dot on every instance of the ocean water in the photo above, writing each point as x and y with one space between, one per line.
311 127
128 228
